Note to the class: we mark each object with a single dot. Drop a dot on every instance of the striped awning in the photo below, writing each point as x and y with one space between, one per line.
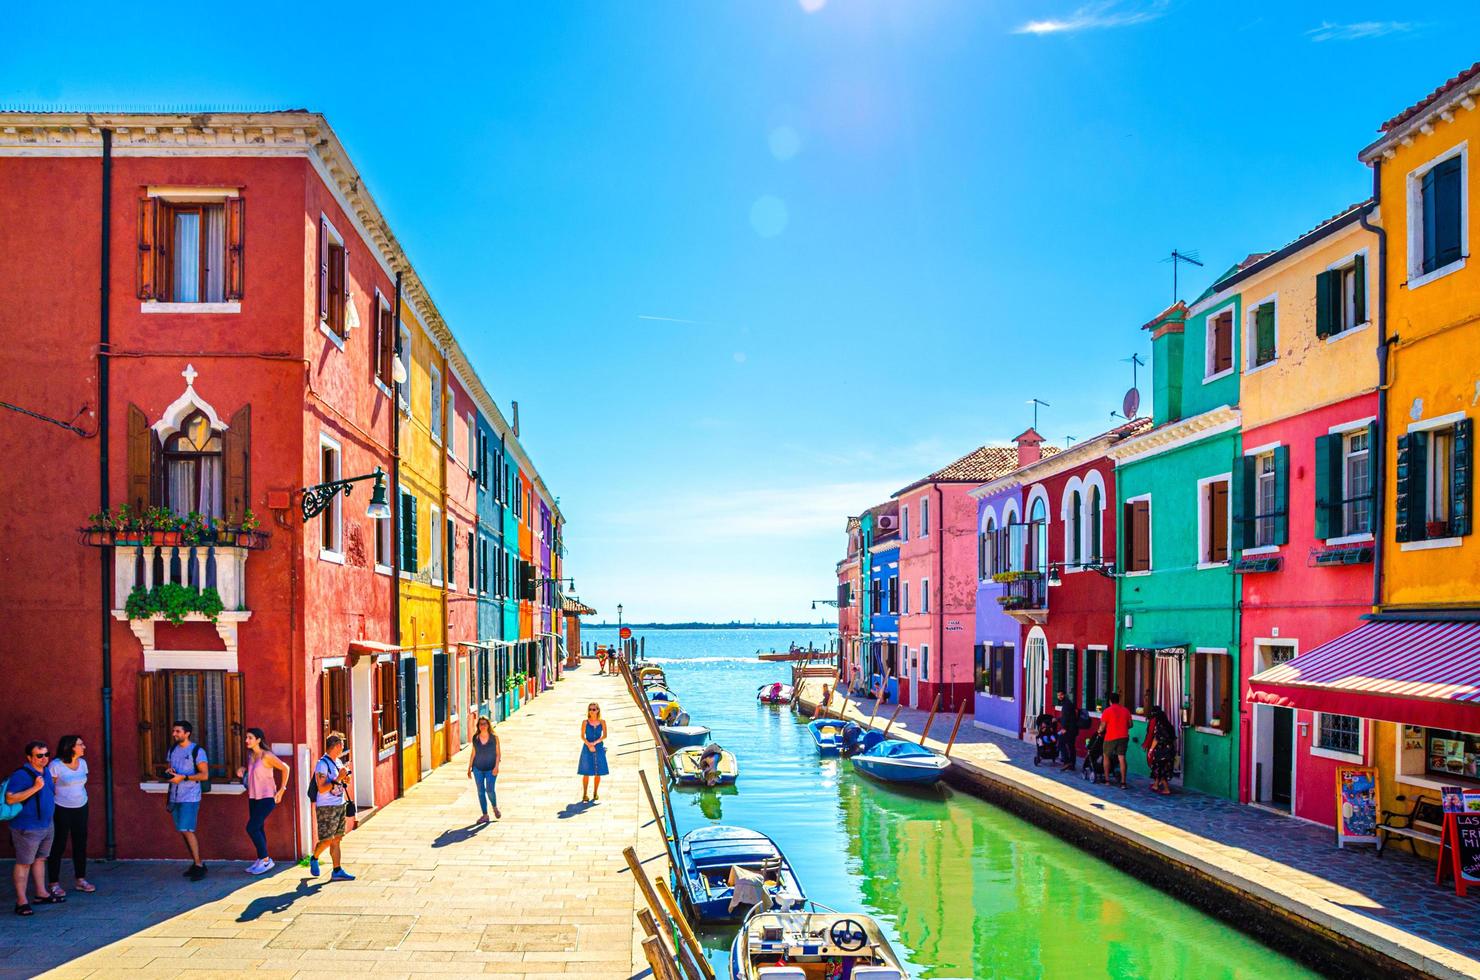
1420 672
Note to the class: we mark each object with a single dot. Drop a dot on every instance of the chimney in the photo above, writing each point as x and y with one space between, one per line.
1029 447
516 420
1166 362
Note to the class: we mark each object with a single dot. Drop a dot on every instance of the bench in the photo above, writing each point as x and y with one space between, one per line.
1424 821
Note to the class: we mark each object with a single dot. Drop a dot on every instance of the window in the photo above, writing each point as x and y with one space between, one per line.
1339 733
384 555
924 596
904 522
1452 754
1096 526
383 349
986 556
439 688
893 595
386 732
1096 674
905 609
925 663
1264 500
434 414
1341 298
474 465
996 669
1212 680
1065 666
1261 498
1074 531
333 702
211 700
409 551
451 553
1137 533
1356 484
482 566
1436 216
1219 344
924 517
876 598
408 697
475 568
193 468
1035 546
1138 680
331 528
333 281
1435 482
434 562
403 390
190 251
1262 335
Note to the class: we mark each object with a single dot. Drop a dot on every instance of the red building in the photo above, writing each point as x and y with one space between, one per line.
242 350
461 518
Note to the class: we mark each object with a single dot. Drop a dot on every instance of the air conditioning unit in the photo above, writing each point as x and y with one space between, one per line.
888 522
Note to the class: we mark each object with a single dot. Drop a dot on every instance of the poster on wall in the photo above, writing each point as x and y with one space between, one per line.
1356 805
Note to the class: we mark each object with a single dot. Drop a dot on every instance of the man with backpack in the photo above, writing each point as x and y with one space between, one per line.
188 770
1068 731
330 780
31 789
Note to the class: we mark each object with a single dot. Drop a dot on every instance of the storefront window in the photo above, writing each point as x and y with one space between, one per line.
1340 733
1453 753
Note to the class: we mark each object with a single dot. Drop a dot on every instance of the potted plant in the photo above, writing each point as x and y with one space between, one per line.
99 530
128 526
1436 529
139 604
250 536
192 528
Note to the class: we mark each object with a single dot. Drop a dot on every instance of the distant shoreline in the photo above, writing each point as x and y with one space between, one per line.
714 626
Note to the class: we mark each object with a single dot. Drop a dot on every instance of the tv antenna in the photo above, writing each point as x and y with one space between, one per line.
1191 257
1035 402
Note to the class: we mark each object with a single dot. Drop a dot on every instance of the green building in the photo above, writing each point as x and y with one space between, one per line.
1177 596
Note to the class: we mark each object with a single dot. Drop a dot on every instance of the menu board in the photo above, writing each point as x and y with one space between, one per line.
1461 840
1356 805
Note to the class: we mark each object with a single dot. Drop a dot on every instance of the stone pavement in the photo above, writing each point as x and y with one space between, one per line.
545 890
1391 903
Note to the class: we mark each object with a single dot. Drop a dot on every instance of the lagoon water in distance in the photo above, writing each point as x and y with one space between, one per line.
964 889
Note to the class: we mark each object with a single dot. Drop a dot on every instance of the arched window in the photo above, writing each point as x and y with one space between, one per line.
1036 555
1076 524
1096 526
192 467
987 558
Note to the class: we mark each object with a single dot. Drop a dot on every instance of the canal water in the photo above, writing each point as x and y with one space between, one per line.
963 888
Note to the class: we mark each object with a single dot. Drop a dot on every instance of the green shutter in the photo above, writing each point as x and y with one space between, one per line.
1328 486
1264 333
1461 482
1324 313
1374 460
1241 499
1410 492
411 563
1281 494
1359 277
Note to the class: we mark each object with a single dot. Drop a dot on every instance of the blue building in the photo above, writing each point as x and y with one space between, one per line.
489 543
881 598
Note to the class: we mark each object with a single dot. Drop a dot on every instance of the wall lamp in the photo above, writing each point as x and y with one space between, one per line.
318 497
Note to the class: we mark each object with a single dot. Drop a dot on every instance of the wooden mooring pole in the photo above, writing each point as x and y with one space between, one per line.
687 931
897 709
960 713
928 721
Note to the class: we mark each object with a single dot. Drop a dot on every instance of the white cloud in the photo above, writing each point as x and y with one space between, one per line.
1360 30
1096 16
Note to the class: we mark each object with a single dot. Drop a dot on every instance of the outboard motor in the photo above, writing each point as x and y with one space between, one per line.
852 738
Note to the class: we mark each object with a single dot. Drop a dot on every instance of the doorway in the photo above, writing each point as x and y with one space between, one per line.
362 735
1035 662
424 714
1273 739
914 659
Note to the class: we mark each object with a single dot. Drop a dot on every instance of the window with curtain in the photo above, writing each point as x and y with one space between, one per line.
197 243
1096 527
1035 558
1076 530
192 468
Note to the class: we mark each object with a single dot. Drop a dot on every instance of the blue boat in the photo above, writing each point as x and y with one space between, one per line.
710 858
683 736
893 761
827 733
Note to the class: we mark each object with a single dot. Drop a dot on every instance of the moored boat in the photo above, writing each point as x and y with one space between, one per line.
683 736
803 945
689 768
893 761
716 861
827 735
775 693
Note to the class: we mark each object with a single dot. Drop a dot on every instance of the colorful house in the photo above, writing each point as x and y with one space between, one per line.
850 598
459 556
1302 504
488 566
1409 672
999 652
1177 598
881 660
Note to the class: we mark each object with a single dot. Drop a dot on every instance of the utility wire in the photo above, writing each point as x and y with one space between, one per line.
69 426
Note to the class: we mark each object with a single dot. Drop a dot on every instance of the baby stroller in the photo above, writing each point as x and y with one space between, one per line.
1094 758
1048 739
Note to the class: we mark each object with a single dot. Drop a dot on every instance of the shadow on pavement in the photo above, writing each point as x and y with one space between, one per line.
573 810
272 904
458 835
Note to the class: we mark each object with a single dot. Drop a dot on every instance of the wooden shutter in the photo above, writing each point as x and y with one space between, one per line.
1446 211
343 283
141 458
1281 494
154 724
236 452
1141 536
1461 478
1410 493
236 713
451 553
1329 491
1241 497
1325 314
1222 342
235 229
1218 521
323 270
147 267
1359 289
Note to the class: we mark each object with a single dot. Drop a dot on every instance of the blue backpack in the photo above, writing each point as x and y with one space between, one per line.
9 811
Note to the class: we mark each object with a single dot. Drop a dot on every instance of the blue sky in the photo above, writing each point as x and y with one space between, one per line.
749 267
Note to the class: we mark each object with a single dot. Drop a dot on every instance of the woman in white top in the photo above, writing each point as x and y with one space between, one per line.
69 771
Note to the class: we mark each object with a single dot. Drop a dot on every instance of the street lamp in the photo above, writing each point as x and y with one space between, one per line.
318 497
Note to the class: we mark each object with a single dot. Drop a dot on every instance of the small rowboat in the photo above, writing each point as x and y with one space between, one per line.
667 712
827 733
683 736
893 761
775 693
659 694
649 676
688 768
712 859
818 943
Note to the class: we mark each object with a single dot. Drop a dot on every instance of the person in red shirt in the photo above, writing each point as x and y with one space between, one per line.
1115 723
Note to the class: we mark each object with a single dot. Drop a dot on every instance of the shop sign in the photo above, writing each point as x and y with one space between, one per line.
1356 805
1459 845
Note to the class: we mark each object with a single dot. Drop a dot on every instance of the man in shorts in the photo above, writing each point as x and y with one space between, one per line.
1115 723
188 768
32 789
331 779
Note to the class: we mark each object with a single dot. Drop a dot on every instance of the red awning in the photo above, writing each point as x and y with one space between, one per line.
1424 672
362 648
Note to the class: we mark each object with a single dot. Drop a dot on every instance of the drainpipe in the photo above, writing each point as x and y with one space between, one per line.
396 531
110 846
1379 471
940 612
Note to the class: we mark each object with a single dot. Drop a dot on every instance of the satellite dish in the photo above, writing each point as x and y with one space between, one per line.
1131 404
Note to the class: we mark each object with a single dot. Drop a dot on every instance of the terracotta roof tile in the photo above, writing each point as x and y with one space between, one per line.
1431 98
978 466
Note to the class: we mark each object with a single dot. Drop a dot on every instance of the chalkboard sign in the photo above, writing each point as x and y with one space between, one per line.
1356 805
1467 845
1459 846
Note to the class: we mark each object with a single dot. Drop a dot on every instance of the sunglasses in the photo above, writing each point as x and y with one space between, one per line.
40 755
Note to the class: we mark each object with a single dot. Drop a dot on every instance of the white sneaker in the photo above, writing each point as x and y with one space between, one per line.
259 866
267 865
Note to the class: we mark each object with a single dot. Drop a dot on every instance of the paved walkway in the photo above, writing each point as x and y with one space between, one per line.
1391 903
545 890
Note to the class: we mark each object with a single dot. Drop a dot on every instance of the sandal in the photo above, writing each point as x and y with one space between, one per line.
83 885
48 900
24 910
56 891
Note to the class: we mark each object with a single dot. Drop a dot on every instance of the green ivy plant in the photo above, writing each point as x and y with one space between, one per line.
173 601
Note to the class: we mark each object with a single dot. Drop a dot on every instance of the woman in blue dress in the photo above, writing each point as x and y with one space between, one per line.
593 752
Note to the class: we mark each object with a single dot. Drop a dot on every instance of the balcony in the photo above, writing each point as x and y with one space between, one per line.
194 566
1024 596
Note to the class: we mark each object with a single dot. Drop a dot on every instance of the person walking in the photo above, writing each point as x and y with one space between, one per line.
1115 723
331 779
593 752
483 767
1161 751
69 773
263 794
31 830
188 768
1068 731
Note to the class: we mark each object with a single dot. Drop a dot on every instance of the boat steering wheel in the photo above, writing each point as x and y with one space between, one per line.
847 935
